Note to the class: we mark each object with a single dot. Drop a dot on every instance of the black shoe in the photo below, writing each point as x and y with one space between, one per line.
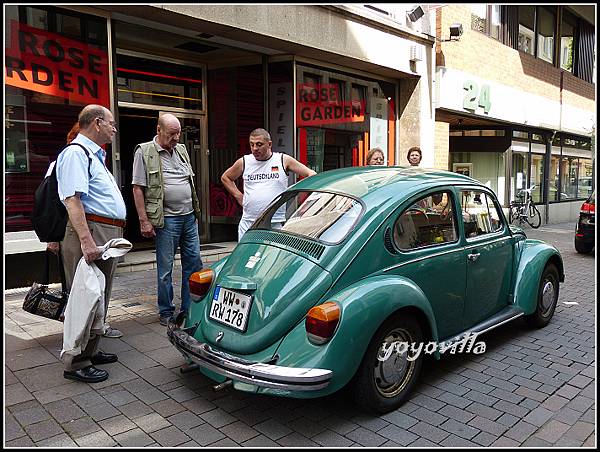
88 374
104 358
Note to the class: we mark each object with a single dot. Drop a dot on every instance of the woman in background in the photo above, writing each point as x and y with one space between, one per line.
375 157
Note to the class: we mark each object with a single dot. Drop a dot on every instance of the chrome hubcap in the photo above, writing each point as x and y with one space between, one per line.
547 297
392 374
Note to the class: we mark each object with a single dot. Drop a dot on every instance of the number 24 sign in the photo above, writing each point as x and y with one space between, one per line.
476 98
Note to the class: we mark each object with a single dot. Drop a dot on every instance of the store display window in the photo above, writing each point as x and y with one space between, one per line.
340 116
56 62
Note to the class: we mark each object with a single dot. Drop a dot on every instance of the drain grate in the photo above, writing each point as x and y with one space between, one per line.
128 305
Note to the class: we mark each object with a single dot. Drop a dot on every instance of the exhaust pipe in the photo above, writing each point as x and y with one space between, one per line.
222 386
188 368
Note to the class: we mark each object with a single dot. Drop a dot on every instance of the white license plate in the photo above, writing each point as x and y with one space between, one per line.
230 308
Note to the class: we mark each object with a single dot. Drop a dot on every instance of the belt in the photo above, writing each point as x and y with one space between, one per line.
105 220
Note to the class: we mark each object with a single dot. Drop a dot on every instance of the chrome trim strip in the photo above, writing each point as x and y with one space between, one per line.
461 336
418 259
483 243
441 253
501 323
255 373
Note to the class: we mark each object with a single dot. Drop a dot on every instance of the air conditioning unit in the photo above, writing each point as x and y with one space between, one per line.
416 53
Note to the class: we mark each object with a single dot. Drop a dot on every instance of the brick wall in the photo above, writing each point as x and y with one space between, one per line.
488 58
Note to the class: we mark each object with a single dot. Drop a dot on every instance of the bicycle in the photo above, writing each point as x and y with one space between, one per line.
524 210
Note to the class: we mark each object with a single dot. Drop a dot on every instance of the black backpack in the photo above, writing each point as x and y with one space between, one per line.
49 216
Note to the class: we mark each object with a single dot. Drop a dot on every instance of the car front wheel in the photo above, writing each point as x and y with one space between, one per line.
386 376
546 299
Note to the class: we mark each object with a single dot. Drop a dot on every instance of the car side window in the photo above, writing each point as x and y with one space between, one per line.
479 213
429 221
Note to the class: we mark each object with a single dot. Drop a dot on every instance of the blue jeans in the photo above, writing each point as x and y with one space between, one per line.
179 231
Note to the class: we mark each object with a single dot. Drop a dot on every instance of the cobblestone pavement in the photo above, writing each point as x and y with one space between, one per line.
530 388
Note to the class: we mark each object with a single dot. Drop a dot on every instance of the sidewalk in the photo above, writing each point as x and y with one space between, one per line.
530 388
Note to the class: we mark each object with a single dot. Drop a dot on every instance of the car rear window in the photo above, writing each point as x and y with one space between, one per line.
327 217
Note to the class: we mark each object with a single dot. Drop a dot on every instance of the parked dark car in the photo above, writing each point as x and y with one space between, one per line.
585 234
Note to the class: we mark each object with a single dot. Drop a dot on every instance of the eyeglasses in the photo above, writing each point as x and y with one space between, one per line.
110 123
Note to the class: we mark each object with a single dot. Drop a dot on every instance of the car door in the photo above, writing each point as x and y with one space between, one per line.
488 254
429 252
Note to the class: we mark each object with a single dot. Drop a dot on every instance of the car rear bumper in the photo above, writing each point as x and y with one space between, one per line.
255 373
585 232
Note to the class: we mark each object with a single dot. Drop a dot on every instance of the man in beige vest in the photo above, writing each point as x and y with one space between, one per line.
168 209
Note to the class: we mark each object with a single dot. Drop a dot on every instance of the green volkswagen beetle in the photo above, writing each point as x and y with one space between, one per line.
371 265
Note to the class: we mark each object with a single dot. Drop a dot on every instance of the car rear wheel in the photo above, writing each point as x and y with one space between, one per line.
382 385
546 299
583 248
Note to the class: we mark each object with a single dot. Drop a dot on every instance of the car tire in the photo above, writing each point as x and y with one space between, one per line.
547 298
583 248
382 386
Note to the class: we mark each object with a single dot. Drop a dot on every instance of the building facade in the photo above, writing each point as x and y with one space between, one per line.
329 82
515 100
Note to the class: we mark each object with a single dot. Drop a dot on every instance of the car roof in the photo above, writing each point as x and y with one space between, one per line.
361 182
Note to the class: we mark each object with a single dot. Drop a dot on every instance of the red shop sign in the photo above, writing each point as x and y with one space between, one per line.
321 104
52 64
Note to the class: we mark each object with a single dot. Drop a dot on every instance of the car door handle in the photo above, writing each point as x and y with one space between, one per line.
473 257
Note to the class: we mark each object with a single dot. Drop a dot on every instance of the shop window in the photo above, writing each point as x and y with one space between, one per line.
146 81
340 116
311 79
37 18
519 173
429 221
545 34
568 171
526 29
520 135
567 41
38 116
536 137
479 213
537 177
486 167
585 172
68 25
340 89
358 94
555 191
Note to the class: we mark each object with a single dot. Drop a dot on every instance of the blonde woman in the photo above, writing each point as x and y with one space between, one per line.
375 157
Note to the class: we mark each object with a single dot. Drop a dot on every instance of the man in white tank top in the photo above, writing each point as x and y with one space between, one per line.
265 175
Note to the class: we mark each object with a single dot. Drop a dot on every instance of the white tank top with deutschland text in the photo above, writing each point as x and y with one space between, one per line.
263 181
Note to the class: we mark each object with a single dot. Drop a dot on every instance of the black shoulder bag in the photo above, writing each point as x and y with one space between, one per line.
46 302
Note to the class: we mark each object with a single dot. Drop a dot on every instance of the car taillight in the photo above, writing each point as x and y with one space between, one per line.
588 208
321 322
200 283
